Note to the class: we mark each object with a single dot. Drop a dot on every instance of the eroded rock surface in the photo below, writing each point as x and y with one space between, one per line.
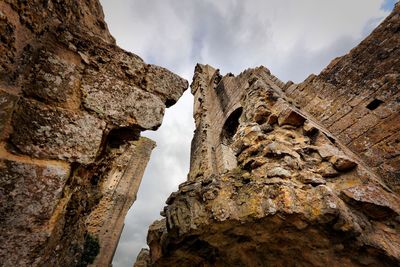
269 185
72 105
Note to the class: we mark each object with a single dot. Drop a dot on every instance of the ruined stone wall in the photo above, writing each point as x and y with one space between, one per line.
72 106
357 98
293 192
216 99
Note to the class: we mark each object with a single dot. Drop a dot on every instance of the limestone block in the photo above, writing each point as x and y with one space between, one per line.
121 103
278 172
7 103
156 230
326 151
48 132
326 170
311 178
291 117
52 79
342 163
120 184
167 85
143 259
7 45
30 191
374 201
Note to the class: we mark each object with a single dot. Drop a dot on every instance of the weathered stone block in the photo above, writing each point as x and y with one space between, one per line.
7 103
143 259
52 79
291 117
30 190
167 85
326 170
29 195
121 103
7 47
278 172
342 163
311 178
48 132
361 126
374 201
120 184
327 151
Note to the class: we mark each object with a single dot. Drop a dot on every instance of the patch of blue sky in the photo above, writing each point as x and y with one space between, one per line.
388 5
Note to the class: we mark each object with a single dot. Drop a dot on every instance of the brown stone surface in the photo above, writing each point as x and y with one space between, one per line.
49 132
143 258
52 79
274 185
119 187
269 184
122 104
377 202
165 84
72 105
7 103
30 190
294 197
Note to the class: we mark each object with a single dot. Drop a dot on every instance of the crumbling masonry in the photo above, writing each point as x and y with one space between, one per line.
286 174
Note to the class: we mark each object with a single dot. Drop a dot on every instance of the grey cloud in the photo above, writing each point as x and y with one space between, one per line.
300 63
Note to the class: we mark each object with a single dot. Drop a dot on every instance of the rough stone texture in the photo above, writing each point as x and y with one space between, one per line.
30 190
52 79
50 132
7 103
123 105
142 259
357 99
121 181
269 185
72 105
165 84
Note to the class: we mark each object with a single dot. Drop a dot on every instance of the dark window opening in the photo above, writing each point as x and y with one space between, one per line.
374 104
230 126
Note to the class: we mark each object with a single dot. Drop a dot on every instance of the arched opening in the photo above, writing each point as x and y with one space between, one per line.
230 127
227 159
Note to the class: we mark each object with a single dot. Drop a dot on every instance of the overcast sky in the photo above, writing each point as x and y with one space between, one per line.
293 38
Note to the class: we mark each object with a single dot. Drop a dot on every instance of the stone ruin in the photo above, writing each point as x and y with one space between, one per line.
281 174
286 174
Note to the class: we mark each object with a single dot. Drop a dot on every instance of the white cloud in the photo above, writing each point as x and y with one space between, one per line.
292 38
